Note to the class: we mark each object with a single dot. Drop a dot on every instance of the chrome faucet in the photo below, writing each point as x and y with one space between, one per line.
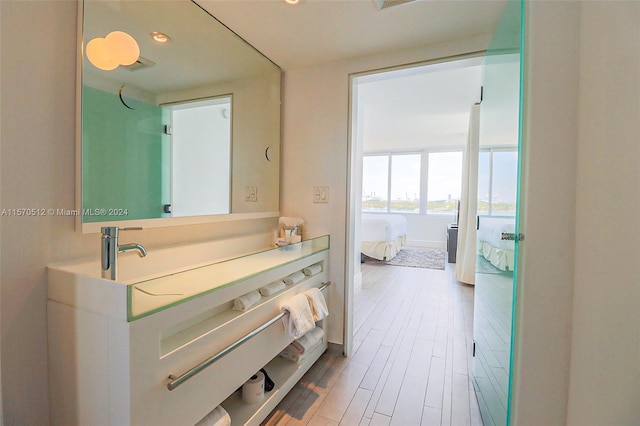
110 249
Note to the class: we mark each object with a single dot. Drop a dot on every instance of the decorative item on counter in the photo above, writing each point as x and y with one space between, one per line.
246 301
317 303
312 270
294 278
217 417
253 389
290 230
273 288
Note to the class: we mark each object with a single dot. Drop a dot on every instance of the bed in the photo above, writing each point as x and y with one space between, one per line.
497 251
382 235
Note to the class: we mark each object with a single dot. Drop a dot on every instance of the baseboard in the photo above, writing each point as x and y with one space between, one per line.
335 349
436 245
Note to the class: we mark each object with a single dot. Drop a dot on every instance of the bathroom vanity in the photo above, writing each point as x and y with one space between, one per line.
165 347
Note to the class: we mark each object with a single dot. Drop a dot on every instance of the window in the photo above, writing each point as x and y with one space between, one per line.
396 182
375 183
497 173
405 183
444 182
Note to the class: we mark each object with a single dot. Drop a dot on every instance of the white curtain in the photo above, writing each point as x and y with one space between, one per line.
466 251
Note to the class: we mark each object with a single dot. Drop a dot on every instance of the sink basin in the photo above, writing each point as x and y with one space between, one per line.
170 276
169 260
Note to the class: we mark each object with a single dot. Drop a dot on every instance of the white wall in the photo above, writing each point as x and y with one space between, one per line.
545 268
37 154
605 353
577 338
315 149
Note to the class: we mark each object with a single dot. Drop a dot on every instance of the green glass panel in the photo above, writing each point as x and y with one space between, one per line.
495 285
180 287
123 149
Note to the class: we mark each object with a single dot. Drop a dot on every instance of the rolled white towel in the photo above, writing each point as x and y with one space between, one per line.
317 303
246 301
217 417
291 353
298 318
273 288
312 270
294 278
309 340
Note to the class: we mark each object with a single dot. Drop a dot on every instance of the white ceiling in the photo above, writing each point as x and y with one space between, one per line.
420 107
321 31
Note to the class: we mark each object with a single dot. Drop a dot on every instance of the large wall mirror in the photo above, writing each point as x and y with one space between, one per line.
179 118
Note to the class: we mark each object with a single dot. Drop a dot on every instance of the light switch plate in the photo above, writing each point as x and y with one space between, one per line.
320 194
250 193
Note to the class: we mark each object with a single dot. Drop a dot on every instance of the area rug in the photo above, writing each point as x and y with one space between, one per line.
413 257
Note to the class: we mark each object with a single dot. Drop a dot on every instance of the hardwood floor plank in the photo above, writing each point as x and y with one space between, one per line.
369 412
435 387
374 373
307 406
369 347
389 395
420 360
355 411
380 420
410 403
336 402
321 421
460 413
431 416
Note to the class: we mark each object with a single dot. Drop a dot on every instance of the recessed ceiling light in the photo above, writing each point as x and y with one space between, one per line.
291 1
160 37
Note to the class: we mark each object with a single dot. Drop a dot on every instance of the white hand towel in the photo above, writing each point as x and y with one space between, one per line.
299 318
273 288
246 301
217 417
312 270
318 304
309 340
294 278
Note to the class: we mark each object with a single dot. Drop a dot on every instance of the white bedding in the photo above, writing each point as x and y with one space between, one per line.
382 227
492 227
497 251
382 235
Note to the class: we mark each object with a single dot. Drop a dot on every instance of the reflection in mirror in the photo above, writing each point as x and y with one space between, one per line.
200 152
182 130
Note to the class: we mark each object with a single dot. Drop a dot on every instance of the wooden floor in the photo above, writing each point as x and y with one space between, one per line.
411 363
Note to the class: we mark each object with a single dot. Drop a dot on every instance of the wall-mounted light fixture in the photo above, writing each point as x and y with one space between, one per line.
117 48
292 1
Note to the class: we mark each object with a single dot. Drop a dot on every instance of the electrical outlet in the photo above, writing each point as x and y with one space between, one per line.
320 194
250 193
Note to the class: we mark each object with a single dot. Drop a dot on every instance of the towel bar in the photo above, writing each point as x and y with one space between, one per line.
177 381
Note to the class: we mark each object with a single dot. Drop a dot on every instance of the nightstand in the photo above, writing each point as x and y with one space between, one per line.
452 242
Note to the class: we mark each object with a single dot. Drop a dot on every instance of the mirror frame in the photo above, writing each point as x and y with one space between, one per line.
95 227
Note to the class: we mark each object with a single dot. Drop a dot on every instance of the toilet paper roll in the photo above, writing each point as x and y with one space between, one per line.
253 389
